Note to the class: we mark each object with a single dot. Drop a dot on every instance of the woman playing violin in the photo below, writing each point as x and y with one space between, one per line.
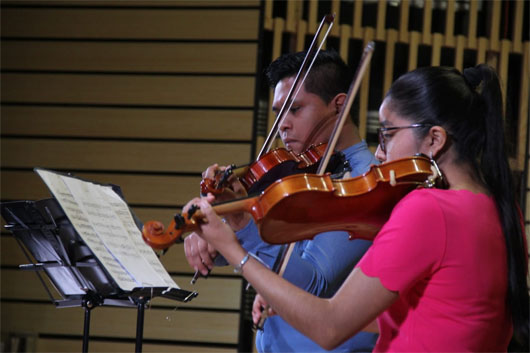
447 272
318 266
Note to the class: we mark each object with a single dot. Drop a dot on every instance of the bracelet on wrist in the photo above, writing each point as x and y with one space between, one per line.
239 268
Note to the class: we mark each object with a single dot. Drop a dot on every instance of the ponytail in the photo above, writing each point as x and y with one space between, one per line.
496 173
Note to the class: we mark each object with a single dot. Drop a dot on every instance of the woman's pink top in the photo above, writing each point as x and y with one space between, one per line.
444 252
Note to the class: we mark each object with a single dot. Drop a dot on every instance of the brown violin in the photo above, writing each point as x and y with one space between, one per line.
316 204
274 165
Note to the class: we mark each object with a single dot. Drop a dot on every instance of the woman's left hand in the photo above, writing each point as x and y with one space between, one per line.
213 229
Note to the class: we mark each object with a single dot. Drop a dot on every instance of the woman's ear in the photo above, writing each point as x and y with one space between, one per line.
436 140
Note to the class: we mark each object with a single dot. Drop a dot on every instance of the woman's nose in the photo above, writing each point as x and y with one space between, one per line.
379 154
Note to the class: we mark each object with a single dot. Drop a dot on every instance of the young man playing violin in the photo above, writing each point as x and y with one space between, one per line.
318 266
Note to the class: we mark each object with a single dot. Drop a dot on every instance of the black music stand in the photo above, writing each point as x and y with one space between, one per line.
51 244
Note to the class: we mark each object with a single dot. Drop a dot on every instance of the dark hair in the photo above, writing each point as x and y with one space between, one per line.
469 107
328 77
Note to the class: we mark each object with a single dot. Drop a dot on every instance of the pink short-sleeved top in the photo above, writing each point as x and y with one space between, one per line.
444 252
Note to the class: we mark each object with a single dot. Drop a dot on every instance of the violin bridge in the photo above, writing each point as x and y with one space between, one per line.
393 181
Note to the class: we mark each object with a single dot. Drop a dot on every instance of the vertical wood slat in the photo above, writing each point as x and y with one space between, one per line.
323 33
357 31
436 53
427 37
365 88
312 16
335 9
345 31
502 69
472 27
523 117
391 39
527 214
267 16
413 50
404 21
381 19
459 52
292 15
517 28
492 58
495 24
300 35
482 47
450 23
279 25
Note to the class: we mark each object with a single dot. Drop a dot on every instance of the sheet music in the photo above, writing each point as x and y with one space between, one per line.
105 224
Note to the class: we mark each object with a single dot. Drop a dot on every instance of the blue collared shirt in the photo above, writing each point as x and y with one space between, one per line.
318 266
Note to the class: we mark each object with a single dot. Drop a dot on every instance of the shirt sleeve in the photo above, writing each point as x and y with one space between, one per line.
321 265
250 240
410 245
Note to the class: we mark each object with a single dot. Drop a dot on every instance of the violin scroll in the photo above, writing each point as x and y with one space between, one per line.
155 235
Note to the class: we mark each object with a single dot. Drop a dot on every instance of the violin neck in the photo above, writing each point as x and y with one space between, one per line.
239 205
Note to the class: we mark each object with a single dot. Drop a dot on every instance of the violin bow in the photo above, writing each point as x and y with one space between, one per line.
345 111
298 82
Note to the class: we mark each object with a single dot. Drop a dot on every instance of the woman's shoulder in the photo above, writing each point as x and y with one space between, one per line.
445 202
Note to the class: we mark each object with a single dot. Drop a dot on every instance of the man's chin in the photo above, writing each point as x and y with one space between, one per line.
294 147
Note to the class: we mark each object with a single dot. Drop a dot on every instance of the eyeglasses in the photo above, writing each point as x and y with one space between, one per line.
382 130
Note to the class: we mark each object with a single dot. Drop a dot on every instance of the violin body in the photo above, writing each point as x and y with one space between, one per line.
275 165
359 205
300 206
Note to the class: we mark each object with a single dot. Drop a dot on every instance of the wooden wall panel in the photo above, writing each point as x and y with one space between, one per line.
141 3
138 90
142 94
145 123
160 323
46 344
119 155
449 30
171 57
130 23
137 189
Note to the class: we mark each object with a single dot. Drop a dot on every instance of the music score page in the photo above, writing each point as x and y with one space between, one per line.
104 222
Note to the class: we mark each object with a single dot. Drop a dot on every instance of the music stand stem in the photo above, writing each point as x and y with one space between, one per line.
140 324
87 304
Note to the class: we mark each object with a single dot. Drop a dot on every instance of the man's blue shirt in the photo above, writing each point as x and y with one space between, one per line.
318 266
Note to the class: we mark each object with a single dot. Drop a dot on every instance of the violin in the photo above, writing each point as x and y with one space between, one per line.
316 204
274 165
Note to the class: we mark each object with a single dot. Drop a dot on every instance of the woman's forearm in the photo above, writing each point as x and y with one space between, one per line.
328 322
